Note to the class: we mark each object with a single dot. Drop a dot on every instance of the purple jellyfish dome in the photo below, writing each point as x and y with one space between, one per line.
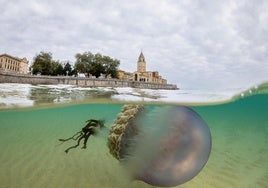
164 146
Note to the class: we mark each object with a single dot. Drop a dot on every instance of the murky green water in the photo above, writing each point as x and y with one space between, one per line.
32 156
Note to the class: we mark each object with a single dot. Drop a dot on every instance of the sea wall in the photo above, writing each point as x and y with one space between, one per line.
85 82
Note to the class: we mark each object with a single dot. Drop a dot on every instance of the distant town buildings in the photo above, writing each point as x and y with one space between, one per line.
141 74
12 64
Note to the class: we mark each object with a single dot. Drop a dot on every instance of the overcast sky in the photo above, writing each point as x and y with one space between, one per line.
194 44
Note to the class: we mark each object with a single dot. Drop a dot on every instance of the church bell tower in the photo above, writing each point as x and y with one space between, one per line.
141 64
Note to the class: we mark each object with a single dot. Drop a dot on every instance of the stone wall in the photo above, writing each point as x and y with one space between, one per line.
85 82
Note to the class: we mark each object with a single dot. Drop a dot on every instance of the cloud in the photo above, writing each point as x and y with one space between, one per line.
191 43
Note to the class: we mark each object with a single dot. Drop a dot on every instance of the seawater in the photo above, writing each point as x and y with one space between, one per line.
31 155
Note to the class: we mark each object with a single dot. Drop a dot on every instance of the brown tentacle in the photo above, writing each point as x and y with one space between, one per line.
75 146
85 133
91 131
72 138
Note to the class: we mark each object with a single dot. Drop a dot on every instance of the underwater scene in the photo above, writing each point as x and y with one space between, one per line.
39 123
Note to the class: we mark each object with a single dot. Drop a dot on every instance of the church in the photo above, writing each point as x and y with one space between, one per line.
141 74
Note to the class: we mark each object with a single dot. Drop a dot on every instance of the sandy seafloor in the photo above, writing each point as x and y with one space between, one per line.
31 156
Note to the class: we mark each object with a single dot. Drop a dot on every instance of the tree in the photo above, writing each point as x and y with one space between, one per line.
57 68
42 63
96 64
97 68
80 67
67 70
84 62
45 65
110 66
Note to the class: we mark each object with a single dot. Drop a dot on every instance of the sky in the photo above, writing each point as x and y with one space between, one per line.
191 43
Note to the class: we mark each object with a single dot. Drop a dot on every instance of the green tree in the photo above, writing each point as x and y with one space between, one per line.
97 68
80 67
67 70
84 62
96 64
110 66
42 63
57 68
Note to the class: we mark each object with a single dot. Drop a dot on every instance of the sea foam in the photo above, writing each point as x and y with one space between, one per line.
25 95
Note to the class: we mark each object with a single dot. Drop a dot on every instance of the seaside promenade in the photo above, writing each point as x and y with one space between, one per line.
78 81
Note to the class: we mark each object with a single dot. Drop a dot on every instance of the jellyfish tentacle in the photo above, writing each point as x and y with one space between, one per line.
85 133
81 133
71 138
92 122
75 146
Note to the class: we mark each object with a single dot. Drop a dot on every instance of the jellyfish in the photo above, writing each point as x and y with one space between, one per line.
162 146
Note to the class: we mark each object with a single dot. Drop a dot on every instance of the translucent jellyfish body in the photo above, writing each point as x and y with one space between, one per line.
163 146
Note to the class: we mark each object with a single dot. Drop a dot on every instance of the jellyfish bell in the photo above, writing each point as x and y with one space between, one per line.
164 146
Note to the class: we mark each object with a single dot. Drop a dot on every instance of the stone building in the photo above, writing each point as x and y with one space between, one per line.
141 75
12 64
123 75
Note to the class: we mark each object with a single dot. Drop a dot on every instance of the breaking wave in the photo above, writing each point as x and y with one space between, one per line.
27 95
